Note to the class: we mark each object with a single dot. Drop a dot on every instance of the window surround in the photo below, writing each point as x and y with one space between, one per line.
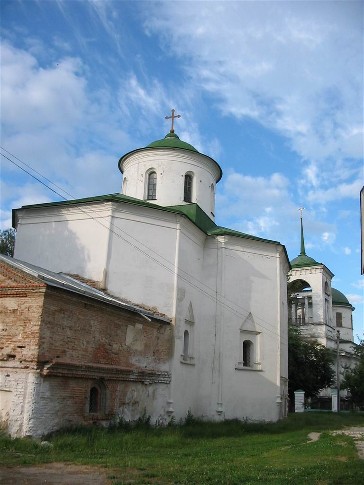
151 184
96 399
188 187
187 355
253 337
339 319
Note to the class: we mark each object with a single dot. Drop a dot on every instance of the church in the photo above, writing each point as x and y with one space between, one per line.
322 313
139 304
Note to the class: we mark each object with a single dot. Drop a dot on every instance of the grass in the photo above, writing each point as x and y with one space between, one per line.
230 452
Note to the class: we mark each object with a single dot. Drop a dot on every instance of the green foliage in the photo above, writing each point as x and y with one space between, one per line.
309 365
7 242
354 378
143 422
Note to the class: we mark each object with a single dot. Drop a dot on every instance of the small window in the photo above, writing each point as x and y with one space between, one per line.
125 184
94 401
339 319
97 398
188 188
186 343
247 353
152 186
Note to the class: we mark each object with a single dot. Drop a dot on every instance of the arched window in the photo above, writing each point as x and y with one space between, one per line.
94 400
213 200
188 188
186 343
125 183
152 186
339 319
97 398
247 353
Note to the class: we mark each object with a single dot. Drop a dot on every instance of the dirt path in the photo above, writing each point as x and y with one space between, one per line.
357 433
55 474
358 436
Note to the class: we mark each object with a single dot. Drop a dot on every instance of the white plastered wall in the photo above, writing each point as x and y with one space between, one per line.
171 165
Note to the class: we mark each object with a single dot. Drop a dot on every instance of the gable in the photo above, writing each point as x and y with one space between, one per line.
248 324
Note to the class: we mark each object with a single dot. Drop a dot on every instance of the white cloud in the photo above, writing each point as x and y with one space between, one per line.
34 98
295 67
328 237
359 283
55 124
347 251
355 298
340 191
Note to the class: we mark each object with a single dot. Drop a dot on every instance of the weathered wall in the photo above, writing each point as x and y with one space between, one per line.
80 330
56 345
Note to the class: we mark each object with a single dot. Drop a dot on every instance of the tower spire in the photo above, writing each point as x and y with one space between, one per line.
303 252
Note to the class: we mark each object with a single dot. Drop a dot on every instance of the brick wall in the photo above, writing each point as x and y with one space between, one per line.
55 345
20 318
77 329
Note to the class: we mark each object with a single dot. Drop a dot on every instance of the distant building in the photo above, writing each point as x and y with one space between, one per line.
322 312
205 329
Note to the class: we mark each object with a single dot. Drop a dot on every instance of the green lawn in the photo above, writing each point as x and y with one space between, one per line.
206 453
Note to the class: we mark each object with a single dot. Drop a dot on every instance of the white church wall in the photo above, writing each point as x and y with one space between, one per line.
142 256
346 328
252 313
171 167
58 238
212 386
195 307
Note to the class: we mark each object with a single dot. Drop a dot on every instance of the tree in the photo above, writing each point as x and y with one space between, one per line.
354 378
7 242
310 365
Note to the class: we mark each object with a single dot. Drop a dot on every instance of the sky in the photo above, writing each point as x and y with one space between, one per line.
272 90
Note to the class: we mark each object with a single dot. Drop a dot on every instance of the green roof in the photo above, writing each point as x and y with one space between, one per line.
171 140
192 211
339 299
303 260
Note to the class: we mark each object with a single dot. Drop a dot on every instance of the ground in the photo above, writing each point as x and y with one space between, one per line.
55 474
66 474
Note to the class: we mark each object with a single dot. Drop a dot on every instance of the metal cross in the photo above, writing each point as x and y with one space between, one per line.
172 118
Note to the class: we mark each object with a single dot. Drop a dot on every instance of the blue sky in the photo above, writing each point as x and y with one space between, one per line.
272 90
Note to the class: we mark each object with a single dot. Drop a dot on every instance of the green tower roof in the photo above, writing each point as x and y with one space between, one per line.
339 298
171 140
302 259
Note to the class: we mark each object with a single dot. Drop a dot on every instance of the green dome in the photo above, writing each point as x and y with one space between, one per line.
339 298
171 140
303 260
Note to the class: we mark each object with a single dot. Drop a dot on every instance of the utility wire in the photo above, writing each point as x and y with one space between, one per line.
34 177
38 173
209 292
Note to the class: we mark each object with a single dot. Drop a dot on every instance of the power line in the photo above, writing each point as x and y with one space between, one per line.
33 169
34 177
208 292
